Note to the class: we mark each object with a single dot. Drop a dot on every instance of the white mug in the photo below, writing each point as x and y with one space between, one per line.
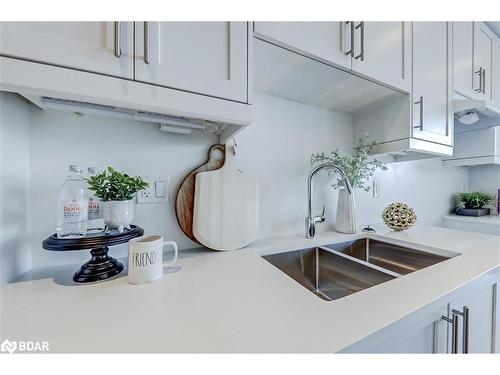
145 258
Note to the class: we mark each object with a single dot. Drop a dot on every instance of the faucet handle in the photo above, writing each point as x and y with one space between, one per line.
321 218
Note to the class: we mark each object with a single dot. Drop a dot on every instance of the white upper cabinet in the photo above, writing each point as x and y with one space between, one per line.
98 47
496 86
463 52
377 50
327 41
202 57
484 47
381 52
474 65
421 122
432 90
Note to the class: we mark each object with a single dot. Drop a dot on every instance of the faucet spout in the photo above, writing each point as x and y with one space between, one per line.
312 220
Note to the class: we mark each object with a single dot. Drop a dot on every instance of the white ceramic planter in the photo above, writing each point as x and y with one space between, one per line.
346 213
118 214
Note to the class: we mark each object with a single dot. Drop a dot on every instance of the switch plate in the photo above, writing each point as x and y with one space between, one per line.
375 189
156 192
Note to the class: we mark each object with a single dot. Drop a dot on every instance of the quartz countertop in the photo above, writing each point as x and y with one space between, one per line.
234 301
488 219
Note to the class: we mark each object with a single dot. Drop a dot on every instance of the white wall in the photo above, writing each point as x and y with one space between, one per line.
485 178
14 187
276 148
60 139
425 185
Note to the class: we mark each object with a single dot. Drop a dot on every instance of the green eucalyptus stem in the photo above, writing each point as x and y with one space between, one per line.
112 185
358 167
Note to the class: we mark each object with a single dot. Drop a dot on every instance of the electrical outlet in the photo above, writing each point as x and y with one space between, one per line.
375 189
156 192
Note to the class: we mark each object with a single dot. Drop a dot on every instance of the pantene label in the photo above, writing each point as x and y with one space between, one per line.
94 208
72 209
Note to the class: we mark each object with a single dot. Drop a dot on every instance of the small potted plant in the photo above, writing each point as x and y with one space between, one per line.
471 204
117 190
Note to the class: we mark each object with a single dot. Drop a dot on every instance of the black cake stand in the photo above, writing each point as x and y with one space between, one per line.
101 266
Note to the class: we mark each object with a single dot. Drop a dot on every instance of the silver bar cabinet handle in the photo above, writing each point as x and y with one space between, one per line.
454 329
465 327
466 313
480 72
421 103
362 53
146 42
118 39
351 51
484 81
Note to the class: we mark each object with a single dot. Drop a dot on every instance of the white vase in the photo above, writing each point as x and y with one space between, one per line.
346 213
118 214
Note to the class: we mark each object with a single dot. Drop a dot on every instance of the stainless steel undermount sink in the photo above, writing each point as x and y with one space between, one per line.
335 271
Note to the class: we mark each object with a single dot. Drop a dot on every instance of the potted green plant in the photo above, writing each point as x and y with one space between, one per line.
117 190
358 168
471 204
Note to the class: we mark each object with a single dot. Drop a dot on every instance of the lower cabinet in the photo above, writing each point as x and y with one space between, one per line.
480 298
431 329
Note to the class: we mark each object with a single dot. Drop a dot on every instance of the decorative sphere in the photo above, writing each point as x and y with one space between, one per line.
399 216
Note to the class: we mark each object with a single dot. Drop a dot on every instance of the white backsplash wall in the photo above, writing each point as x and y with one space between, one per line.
60 139
425 185
485 178
14 187
276 148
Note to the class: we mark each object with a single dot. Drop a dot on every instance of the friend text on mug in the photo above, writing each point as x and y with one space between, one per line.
144 259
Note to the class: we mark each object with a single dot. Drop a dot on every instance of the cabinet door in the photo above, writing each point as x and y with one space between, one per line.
382 52
480 297
464 80
89 46
202 57
484 46
421 332
431 81
496 87
328 41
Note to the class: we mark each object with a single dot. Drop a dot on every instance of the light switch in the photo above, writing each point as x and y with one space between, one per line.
160 189
156 192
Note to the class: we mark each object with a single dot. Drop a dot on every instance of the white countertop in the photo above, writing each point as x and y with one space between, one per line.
488 219
233 301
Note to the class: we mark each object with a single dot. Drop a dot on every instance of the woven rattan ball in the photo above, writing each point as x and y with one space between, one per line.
399 216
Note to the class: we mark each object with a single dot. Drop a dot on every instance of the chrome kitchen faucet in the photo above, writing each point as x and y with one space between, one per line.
311 220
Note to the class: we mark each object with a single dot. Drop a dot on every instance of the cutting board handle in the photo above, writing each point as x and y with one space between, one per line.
230 153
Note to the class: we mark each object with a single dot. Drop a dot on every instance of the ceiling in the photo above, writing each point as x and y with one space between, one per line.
494 26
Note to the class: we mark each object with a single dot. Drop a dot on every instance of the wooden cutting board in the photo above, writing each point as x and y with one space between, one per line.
184 201
225 206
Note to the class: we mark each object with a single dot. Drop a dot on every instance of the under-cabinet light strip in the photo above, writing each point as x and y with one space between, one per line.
167 123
